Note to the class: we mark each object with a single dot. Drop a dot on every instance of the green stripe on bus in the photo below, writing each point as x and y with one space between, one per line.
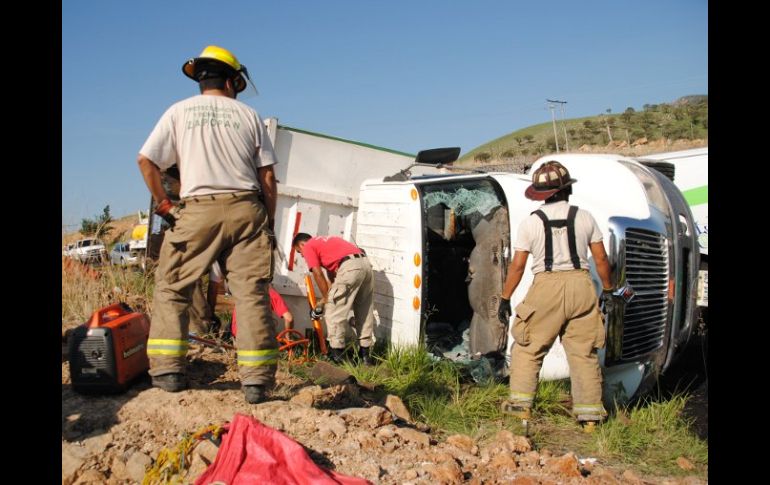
697 196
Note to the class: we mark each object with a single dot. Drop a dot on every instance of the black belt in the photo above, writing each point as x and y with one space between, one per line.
352 256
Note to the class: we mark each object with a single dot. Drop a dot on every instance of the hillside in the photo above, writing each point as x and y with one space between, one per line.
658 127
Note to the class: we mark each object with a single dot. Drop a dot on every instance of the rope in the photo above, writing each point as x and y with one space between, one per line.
172 462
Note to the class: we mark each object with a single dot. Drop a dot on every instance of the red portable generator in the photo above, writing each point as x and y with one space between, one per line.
109 351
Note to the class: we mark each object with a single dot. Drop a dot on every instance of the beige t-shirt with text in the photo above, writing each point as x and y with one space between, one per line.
217 142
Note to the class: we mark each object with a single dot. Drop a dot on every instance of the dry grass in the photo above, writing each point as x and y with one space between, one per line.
85 289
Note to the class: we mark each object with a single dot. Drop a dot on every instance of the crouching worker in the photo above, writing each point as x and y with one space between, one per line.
280 311
350 287
562 299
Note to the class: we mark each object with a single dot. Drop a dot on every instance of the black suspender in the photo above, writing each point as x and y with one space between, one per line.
547 225
573 254
569 222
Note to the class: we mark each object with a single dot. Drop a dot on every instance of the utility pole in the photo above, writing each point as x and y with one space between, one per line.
553 119
607 124
563 126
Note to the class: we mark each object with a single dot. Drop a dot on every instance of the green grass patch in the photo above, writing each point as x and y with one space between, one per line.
436 391
552 398
652 435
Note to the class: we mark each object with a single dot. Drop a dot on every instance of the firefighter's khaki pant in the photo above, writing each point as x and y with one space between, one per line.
561 303
353 289
200 313
233 227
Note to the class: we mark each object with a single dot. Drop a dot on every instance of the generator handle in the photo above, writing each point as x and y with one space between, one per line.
104 315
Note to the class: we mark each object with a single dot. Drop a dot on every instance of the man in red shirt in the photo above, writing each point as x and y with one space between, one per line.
350 287
279 308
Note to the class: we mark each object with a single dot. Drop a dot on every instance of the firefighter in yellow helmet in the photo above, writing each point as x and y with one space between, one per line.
226 211
562 299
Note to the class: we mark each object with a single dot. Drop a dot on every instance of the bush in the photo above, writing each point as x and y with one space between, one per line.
482 157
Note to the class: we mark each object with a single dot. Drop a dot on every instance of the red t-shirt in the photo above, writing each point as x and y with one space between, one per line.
276 304
327 251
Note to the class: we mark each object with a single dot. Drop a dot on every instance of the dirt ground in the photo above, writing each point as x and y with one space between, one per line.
112 439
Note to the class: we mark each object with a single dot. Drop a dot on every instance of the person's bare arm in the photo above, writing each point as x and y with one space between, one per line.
515 272
152 178
288 320
320 280
269 187
602 264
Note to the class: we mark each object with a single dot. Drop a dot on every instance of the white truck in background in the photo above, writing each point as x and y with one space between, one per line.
440 245
89 250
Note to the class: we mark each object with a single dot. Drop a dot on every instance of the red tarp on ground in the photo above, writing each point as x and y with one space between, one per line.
252 453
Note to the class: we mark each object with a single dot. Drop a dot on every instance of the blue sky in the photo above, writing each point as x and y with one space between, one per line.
405 75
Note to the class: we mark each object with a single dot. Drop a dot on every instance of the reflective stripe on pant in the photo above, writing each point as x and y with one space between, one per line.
562 303
233 227
353 289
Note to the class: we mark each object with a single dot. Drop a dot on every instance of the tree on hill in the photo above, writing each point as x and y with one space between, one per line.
482 157
628 114
98 227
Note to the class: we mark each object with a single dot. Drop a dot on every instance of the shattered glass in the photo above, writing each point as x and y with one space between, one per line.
463 201
481 368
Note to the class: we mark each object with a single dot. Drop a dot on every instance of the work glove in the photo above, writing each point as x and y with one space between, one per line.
504 311
317 312
607 301
164 210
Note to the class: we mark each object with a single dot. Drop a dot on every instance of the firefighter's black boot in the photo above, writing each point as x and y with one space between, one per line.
254 394
364 355
170 382
336 355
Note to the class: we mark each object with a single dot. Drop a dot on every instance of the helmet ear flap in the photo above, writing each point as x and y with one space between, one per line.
239 84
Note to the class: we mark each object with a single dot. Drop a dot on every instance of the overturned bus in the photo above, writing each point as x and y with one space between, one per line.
440 246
